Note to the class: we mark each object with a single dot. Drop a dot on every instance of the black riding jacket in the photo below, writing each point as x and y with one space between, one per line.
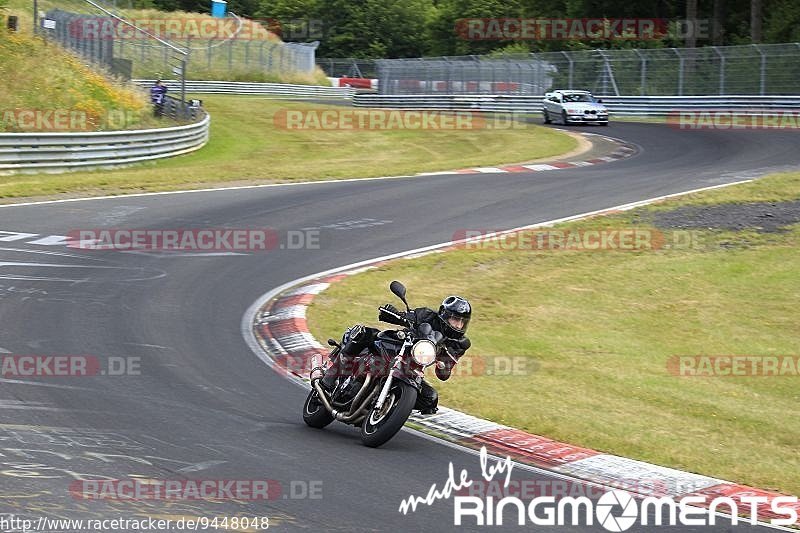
453 347
358 338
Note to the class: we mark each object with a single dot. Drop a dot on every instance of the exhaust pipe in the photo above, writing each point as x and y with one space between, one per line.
340 416
359 412
323 396
364 388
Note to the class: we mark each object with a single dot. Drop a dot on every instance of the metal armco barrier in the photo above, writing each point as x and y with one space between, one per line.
59 152
619 105
282 90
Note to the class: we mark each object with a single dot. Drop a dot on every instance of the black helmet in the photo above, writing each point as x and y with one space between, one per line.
454 308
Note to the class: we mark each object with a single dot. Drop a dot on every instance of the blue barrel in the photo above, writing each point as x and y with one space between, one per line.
218 8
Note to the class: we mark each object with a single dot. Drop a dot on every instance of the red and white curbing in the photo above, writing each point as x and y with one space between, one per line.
623 151
281 330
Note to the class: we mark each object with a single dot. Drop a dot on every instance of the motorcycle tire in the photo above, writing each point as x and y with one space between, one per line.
314 413
378 427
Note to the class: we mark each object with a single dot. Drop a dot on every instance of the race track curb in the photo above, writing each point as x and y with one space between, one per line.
279 326
623 150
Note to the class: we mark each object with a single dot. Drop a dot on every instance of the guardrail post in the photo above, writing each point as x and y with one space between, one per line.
680 71
763 74
642 73
183 85
608 74
721 70
571 68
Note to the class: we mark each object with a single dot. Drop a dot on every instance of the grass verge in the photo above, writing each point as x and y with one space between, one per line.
596 331
39 79
247 147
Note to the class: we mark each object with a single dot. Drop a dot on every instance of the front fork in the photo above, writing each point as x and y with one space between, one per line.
396 368
387 384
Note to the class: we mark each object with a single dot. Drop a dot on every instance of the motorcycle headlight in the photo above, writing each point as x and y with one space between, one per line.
424 352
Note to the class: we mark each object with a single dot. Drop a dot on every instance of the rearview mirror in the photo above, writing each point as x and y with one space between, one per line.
399 290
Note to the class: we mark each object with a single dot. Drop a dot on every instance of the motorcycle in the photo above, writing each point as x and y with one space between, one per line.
380 389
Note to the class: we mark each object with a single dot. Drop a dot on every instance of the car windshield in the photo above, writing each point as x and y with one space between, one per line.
578 98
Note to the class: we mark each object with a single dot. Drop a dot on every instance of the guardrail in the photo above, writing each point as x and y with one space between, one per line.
619 105
282 90
59 152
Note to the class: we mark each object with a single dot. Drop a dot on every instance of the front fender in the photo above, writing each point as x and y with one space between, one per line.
414 381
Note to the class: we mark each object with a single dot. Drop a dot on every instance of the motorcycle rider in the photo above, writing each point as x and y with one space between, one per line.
451 321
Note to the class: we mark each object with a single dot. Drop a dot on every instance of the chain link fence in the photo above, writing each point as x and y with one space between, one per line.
164 45
715 70
348 67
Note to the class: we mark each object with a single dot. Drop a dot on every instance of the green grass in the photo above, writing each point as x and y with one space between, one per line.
36 75
596 330
246 147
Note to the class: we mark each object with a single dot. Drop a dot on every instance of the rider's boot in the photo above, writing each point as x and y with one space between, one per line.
328 381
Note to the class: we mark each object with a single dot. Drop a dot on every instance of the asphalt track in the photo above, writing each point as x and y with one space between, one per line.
204 406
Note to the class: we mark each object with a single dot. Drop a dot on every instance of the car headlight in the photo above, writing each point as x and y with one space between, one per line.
574 111
424 352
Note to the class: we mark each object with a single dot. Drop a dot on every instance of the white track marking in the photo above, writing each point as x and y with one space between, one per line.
250 316
265 185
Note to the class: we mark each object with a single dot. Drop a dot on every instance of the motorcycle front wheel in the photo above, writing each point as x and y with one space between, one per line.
314 413
381 425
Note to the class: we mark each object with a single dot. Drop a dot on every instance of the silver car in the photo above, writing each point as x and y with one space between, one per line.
574 107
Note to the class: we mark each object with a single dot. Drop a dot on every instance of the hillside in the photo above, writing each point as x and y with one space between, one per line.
220 49
44 88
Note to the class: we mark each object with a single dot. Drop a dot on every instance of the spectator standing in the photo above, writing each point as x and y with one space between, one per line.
158 94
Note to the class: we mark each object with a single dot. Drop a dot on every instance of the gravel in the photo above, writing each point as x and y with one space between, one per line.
764 217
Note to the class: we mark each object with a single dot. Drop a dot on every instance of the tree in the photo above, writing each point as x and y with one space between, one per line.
691 18
374 28
718 23
756 21
452 18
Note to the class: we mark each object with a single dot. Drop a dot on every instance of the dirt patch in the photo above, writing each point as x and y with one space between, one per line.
765 217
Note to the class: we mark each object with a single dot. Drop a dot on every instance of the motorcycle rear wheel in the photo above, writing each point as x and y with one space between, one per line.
380 426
